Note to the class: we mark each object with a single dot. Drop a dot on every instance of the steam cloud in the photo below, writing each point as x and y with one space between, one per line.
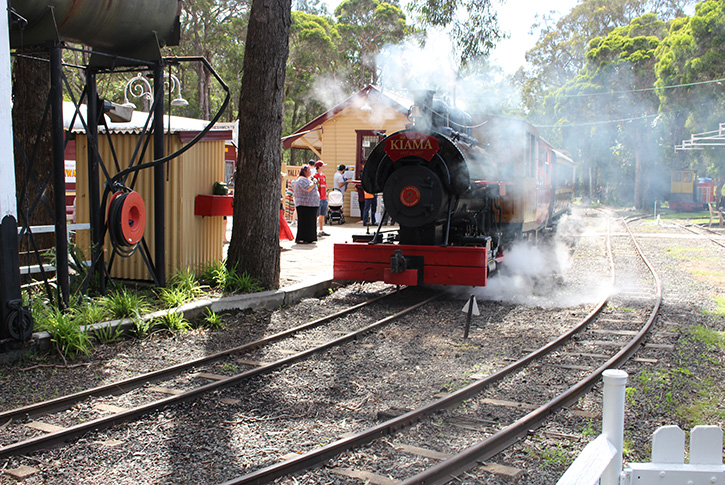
536 275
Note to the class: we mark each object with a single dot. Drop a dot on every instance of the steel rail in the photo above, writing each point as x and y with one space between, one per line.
319 455
445 471
57 437
701 234
131 383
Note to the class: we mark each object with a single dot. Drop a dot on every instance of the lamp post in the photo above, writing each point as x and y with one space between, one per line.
140 87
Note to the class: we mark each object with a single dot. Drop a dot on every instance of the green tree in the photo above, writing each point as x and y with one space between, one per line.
614 84
693 53
560 53
214 29
473 24
365 27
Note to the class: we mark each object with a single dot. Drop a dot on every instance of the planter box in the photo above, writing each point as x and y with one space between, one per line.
213 205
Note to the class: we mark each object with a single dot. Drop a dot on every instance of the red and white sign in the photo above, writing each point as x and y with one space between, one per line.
411 144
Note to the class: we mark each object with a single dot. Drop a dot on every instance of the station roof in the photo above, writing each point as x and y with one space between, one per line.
139 119
311 133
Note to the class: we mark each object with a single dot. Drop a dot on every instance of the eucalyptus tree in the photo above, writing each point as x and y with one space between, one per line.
314 42
693 56
614 87
473 24
214 29
365 26
254 247
560 52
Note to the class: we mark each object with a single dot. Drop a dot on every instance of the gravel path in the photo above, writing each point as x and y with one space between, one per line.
313 402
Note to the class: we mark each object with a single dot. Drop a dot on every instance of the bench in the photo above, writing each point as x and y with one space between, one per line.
715 213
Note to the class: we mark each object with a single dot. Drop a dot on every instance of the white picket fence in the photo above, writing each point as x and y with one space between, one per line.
601 460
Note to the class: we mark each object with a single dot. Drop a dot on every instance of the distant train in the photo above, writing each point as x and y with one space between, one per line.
461 193
689 193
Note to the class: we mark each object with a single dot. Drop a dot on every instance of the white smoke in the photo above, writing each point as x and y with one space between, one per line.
538 275
414 66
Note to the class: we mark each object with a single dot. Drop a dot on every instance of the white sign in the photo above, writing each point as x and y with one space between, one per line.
475 307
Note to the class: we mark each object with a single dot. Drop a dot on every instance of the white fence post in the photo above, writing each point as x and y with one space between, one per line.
615 381
603 456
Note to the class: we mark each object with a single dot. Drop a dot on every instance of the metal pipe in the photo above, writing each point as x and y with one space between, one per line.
159 196
58 142
94 196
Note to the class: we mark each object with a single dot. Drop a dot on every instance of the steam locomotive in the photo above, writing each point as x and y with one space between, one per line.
462 194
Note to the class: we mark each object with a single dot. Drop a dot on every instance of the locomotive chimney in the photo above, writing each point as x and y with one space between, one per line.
423 110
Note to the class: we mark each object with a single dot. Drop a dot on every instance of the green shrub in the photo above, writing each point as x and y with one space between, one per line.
213 320
124 303
65 332
175 322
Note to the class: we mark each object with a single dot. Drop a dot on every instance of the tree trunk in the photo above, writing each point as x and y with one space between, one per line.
31 85
254 247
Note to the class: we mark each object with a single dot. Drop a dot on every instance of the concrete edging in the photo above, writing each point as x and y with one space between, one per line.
265 300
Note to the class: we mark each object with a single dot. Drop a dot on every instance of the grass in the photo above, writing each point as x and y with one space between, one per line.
126 302
217 275
720 307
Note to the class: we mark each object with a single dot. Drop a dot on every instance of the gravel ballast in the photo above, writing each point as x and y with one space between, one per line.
404 365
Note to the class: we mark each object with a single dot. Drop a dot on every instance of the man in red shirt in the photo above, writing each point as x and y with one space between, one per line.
321 181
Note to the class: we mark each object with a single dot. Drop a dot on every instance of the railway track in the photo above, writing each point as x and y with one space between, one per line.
605 338
704 232
31 428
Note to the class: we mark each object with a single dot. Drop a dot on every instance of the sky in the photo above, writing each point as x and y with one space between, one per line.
515 18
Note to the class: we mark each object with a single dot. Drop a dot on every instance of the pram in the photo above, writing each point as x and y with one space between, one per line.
334 207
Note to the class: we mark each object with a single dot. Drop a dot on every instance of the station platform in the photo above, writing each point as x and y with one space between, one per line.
311 262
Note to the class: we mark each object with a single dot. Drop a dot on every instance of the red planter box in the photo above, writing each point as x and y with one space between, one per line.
214 205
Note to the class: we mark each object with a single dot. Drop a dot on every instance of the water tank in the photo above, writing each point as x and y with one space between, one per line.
110 26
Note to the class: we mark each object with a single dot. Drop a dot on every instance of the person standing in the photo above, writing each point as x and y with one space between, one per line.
307 202
371 206
339 181
322 185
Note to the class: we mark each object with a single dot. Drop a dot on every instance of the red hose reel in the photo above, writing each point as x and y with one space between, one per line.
126 218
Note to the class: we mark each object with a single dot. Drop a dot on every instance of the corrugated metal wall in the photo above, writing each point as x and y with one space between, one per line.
191 241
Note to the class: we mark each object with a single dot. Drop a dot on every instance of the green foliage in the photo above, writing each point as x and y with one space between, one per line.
473 24
589 429
213 320
175 322
141 326
66 334
365 26
711 338
88 312
218 275
124 303
183 287
555 457
172 297
107 334
720 310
